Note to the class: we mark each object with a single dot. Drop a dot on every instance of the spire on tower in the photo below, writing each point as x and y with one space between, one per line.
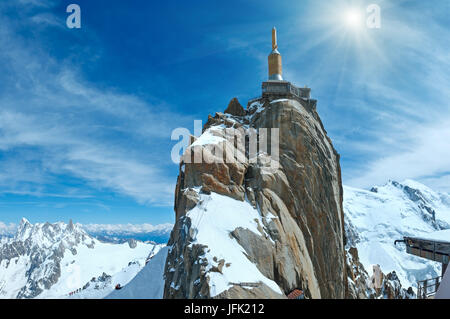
275 68
274 39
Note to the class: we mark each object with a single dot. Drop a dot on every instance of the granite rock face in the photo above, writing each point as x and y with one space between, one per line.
299 241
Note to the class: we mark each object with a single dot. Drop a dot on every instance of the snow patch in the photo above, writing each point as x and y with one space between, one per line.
149 283
215 217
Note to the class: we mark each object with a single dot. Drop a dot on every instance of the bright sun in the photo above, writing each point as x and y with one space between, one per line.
353 18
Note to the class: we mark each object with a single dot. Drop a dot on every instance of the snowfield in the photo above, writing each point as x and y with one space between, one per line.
375 219
149 283
442 236
119 261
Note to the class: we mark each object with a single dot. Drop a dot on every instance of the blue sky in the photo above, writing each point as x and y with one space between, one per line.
86 114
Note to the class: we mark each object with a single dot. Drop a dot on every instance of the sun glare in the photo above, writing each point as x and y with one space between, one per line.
353 18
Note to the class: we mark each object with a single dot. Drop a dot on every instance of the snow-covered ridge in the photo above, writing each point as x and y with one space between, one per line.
376 218
148 283
109 232
52 260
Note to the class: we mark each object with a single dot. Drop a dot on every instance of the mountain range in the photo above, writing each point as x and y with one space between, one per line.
374 220
62 261
115 233
52 260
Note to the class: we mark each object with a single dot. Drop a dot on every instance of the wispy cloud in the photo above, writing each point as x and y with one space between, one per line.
388 108
413 140
53 122
7 229
424 156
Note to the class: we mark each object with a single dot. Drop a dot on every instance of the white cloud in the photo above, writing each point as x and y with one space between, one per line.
7 229
425 154
442 182
128 228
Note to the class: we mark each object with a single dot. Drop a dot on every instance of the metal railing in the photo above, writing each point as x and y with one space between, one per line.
428 288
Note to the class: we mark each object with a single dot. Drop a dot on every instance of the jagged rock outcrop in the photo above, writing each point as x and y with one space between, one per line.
235 108
379 286
132 243
358 279
392 288
292 229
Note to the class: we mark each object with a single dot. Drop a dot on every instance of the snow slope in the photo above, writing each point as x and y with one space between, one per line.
118 261
442 236
213 219
148 284
376 218
52 260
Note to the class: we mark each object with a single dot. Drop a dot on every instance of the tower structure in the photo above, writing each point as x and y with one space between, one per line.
278 88
275 66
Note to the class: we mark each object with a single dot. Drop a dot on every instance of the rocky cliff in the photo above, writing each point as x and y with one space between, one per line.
246 230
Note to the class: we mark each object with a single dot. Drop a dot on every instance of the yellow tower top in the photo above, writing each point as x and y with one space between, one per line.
275 67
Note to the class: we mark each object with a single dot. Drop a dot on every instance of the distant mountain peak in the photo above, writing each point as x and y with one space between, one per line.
24 223
23 229
70 226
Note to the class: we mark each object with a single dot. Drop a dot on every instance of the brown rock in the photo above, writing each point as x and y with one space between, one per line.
235 108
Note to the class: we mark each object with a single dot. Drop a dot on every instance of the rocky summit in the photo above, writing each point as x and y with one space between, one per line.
244 230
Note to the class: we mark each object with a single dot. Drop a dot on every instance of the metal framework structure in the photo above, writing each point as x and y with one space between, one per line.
427 288
283 89
438 251
430 249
